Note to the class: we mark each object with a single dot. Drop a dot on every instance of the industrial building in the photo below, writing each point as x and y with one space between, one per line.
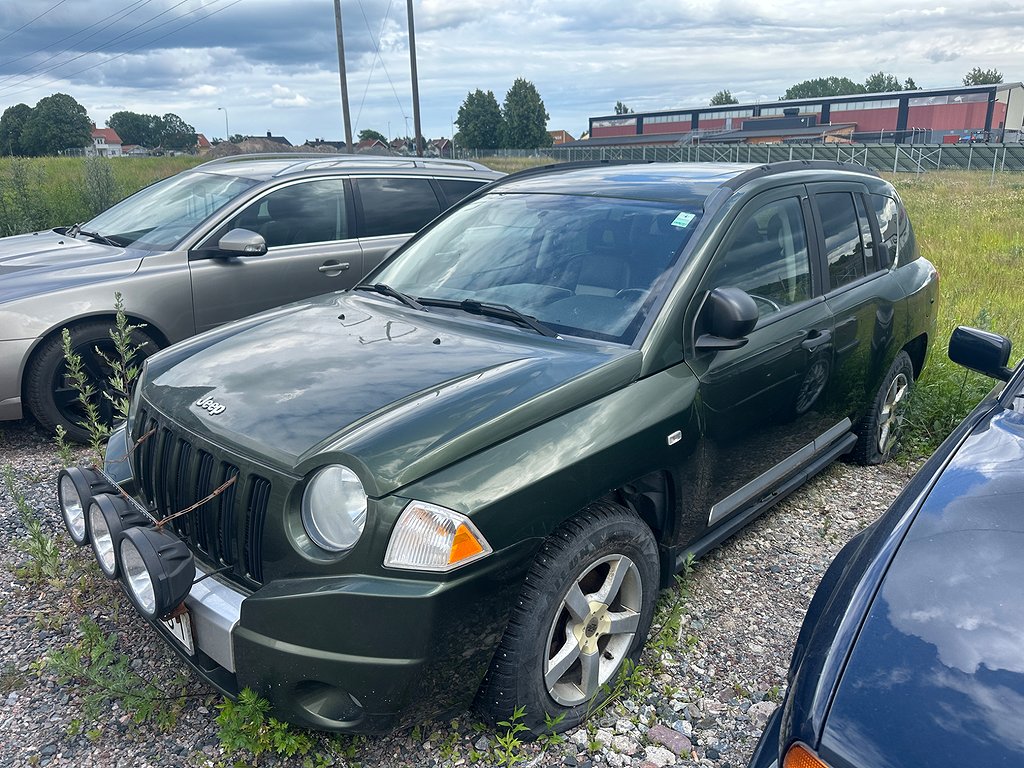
989 113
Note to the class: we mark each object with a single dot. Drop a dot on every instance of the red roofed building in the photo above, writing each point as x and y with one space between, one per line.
105 143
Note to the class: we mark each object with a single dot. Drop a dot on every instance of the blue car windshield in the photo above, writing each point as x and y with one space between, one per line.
581 265
159 216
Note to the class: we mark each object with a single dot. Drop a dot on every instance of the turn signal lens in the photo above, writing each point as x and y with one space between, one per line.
432 538
800 756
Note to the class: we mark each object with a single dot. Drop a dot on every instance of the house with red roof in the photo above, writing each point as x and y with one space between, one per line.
105 143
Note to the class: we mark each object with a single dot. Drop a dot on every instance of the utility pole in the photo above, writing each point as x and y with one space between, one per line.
415 83
344 80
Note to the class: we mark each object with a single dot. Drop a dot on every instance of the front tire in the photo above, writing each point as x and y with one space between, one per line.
880 430
585 608
50 396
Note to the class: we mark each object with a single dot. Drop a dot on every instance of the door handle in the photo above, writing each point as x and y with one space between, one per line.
336 267
816 339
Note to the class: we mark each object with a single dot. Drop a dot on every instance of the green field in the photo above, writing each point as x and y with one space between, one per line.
968 224
40 193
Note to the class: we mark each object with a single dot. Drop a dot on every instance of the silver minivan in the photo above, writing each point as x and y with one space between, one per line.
221 241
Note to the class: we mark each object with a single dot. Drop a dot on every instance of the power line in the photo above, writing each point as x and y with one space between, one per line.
378 57
32 21
98 48
132 50
68 37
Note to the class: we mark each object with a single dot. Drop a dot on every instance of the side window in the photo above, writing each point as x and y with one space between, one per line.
307 212
766 255
844 249
870 255
886 213
396 206
456 189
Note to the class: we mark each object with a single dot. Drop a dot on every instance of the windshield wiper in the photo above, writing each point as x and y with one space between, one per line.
77 230
387 290
500 311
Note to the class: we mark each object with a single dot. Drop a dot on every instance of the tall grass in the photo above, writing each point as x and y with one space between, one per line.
41 193
971 228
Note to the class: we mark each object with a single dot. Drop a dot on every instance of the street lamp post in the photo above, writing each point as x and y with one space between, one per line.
227 131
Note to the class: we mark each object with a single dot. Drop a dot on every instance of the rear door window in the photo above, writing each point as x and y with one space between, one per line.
456 189
844 248
392 206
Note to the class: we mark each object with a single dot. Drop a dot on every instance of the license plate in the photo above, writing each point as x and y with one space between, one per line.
180 626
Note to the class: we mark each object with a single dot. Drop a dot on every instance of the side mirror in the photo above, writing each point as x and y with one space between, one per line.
981 351
727 316
242 242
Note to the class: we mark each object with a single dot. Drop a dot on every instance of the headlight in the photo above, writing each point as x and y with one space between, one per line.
432 538
334 509
75 489
109 517
157 570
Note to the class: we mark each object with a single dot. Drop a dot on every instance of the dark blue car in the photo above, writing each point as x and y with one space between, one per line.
912 652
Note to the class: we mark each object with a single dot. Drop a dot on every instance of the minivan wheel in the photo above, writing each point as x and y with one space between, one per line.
585 609
49 393
881 428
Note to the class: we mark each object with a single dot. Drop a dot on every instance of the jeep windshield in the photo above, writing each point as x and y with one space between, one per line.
580 265
159 216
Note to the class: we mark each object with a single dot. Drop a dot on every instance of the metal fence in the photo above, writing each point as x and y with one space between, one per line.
881 157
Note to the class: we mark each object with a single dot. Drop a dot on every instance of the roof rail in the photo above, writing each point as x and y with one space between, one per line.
768 169
326 160
553 167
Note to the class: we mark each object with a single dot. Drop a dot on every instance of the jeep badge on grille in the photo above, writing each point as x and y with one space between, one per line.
211 405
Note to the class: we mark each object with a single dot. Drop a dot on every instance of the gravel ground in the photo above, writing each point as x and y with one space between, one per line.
709 688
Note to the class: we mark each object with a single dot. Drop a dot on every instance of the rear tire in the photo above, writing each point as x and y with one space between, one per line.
50 396
880 430
586 608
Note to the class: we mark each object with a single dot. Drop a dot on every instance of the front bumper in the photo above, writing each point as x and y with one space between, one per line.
355 653
13 354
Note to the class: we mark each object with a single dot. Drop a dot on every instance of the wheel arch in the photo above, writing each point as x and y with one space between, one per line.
917 348
152 330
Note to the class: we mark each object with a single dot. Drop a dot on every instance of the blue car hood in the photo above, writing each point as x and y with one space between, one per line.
41 262
936 677
396 392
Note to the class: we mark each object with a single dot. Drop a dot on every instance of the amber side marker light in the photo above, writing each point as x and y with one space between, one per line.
464 546
800 756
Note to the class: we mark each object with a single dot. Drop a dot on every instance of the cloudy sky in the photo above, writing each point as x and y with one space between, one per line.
272 65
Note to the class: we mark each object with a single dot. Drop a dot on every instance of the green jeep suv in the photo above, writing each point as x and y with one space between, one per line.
466 479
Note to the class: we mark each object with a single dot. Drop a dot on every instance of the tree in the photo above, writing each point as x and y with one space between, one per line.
823 86
12 123
622 109
525 119
55 124
979 76
175 133
134 128
723 97
479 121
910 85
368 134
880 82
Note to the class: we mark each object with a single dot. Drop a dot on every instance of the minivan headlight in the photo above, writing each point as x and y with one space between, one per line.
334 509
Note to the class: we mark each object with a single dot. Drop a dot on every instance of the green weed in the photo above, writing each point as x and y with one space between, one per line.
509 748
44 563
104 674
244 725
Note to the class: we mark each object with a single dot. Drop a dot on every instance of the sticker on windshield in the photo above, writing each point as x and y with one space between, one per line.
683 220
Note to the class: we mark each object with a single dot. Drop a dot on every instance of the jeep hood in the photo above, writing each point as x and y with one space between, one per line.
43 261
395 393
